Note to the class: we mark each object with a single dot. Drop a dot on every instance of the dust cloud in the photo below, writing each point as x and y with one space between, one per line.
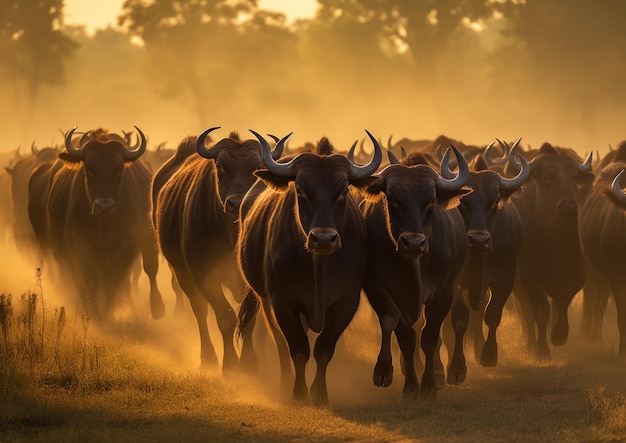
113 83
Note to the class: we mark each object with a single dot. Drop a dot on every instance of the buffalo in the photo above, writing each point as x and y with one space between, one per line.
91 209
196 198
416 248
602 234
550 262
302 249
494 238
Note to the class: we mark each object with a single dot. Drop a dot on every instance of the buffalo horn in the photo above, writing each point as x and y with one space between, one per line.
350 154
129 155
509 184
456 183
200 148
279 169
77 153
616 188
358 172
586 166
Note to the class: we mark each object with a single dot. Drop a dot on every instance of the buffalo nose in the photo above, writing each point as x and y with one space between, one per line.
567 207
479 240
232 204
323 241
104 204
412 245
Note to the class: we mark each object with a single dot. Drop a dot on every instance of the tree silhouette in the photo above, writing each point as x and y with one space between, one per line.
424 28
201 50
33 48
569 57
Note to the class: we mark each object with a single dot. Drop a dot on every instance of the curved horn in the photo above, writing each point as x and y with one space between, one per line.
350 154
610 147
33 148
456 183
403 152
586 166
389 142
357 172
129 155
616 188
510 184
276 139
280 145
506 149
438 152
77 153
200 148
279 169
392 158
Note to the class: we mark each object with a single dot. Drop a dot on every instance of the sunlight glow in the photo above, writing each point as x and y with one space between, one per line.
99 14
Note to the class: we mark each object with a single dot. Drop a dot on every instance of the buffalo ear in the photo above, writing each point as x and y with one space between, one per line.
273 181
586 178
374 188
516 193
450 200
67 157
363 183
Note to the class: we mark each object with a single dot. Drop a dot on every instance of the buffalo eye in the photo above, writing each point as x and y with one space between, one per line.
300 193
219 168
391 202
430 206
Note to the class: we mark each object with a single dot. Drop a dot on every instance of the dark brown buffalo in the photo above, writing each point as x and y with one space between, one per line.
494 239
302 250
550 262
20 173
603 238
416 248
91 209
196 199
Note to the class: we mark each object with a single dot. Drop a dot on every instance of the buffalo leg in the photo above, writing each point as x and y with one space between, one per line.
337 321
596 292
299 349
500 292
150 258
284 358
250 306
407 342
457 369
388 317
226 320
435 313
618 287
200 308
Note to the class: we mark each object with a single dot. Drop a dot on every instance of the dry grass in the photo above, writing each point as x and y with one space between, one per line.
61 380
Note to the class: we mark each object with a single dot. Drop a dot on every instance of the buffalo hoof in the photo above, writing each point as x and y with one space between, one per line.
300 397
383 373
489 356
456 376
157 307
543 352
249 363
456 379
558 337
319 395
410 392
440 378
428 392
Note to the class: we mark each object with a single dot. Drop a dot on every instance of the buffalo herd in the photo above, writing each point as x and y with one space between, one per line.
435 240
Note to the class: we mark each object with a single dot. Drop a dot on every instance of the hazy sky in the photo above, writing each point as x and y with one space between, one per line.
100 13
